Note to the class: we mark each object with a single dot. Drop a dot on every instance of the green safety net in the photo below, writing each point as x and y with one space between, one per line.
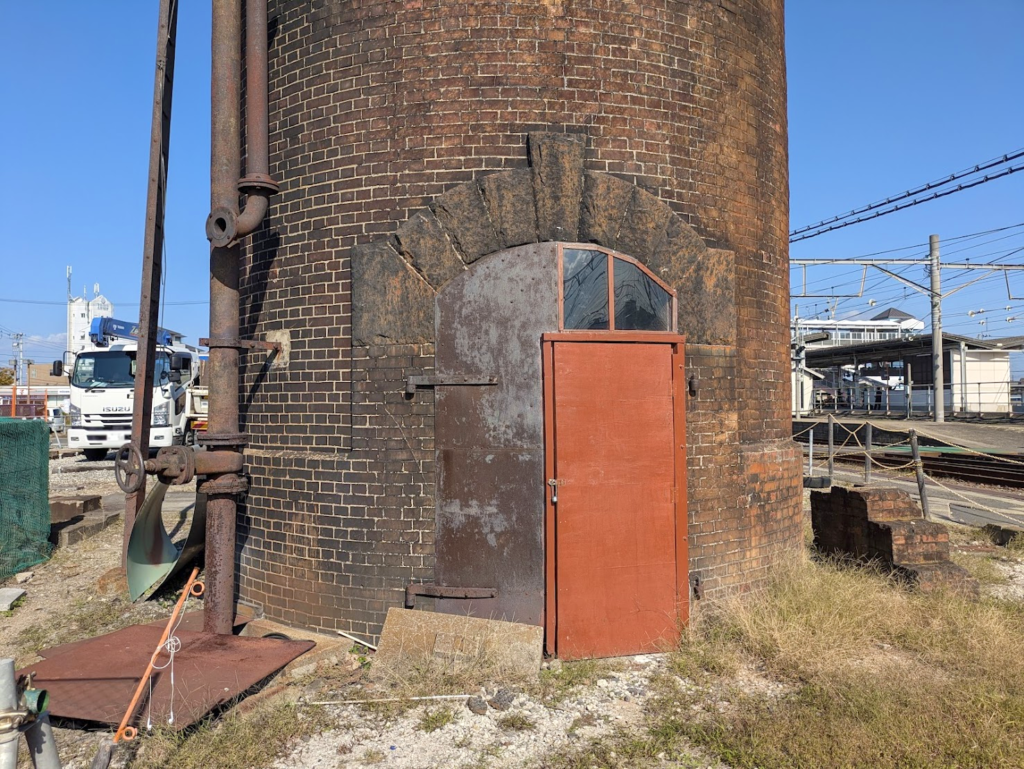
24 494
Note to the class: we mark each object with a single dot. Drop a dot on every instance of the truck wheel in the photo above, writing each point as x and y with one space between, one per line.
95 455
190 438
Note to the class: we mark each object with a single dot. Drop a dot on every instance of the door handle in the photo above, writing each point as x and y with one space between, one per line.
553 483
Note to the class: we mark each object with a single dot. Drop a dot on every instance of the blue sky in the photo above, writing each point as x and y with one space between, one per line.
884 96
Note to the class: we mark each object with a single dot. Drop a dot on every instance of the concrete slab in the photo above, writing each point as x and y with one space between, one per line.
64 508
82 527
330 651
8 595
508 649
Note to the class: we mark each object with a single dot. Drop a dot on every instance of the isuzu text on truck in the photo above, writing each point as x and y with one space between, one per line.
102 390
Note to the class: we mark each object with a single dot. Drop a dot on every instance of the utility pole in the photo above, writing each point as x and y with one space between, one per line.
19 348
936 299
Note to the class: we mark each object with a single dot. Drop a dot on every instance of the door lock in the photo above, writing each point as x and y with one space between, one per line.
553 483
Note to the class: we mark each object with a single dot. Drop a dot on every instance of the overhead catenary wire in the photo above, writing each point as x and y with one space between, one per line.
878 208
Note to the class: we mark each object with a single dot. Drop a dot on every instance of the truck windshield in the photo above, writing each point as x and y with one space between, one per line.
114 368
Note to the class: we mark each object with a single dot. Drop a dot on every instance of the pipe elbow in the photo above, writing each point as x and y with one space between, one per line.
256 205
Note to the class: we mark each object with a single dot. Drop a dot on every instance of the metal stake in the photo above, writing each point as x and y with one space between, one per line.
919 468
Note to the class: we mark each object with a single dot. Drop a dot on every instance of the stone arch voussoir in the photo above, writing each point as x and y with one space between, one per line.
395 279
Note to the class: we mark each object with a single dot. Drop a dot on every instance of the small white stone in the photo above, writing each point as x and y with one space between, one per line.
23 576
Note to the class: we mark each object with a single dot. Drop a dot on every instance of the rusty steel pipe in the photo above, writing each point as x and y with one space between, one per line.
225 161
226 224
256 184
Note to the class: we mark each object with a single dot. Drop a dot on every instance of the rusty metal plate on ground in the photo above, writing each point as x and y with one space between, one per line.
190 620
94 680
412 637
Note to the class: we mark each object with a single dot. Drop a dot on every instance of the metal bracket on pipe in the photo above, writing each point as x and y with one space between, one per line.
234 343
414 383
228 440
439 591
224 484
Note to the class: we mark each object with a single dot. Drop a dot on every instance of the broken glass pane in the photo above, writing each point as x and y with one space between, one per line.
640 303
585 288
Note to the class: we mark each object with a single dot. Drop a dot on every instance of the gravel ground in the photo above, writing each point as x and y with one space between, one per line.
521 736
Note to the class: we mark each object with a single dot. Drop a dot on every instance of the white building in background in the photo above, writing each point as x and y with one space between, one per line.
81 312
890 324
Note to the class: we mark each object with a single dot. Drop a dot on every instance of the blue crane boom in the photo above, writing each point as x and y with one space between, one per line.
105 330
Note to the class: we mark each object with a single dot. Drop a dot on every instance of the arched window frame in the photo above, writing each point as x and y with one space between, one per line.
612 257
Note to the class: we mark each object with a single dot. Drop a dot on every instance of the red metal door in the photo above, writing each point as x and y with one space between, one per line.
615 439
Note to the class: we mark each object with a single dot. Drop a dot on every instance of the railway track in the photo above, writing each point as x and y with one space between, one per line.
1005 469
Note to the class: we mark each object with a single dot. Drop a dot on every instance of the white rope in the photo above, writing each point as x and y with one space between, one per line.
172 646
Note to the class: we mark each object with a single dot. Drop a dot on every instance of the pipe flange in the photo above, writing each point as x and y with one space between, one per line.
180 458
129 468
221 226
224 484
228 440
253 183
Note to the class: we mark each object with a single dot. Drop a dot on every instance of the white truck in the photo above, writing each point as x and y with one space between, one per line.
102 391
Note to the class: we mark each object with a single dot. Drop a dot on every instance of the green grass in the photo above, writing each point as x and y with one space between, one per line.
516 722
252 740
433 719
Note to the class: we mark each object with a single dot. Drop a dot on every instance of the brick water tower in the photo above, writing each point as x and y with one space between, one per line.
528 268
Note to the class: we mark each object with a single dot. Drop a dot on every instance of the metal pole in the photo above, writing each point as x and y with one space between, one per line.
936 297
963 377
8 701
831 446
867 453
152 252
41 745
810 452
919 469
908 385
225 160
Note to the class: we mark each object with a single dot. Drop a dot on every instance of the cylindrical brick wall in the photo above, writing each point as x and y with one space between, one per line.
380 106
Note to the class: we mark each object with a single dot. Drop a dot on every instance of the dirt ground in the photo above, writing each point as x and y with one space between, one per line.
79 593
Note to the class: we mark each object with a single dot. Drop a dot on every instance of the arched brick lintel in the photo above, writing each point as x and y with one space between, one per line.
395 279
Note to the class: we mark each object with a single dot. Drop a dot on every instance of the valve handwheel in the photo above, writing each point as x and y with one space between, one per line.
129 469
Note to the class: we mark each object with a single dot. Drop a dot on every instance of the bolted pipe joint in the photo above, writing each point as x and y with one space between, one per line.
221 227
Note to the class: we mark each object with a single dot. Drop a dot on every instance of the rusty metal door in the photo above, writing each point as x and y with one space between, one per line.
617 561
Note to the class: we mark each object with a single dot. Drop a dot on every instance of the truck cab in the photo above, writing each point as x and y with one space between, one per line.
103 393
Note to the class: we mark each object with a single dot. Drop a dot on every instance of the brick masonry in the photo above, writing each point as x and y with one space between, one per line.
399 134
877 523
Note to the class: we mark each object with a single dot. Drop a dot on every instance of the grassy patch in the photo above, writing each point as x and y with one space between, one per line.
983 567
554 685
434 719
87 618
874 676
253 740
516 722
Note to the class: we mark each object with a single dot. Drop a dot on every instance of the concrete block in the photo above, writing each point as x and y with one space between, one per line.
506 649
65 508
8 595
75 531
